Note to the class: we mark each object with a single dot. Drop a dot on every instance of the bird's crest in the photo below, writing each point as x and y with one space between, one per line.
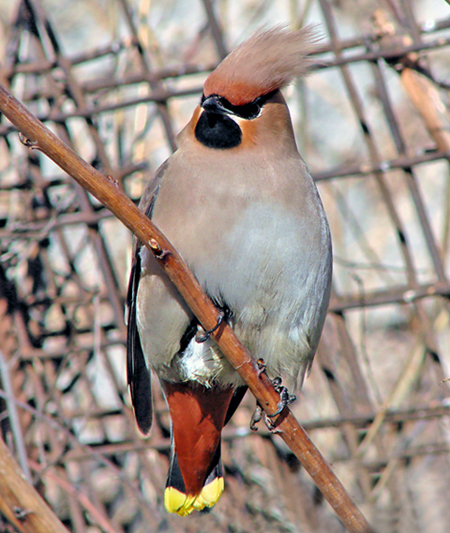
265 62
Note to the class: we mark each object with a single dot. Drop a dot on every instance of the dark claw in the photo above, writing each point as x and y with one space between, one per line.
285 397
207 334
276 382
261 366
256 417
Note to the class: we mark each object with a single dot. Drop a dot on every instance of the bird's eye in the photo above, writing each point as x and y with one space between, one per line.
251 110
247 111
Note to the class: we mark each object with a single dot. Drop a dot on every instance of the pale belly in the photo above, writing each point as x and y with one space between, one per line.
268 269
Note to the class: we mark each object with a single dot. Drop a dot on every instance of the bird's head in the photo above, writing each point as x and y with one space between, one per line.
241 103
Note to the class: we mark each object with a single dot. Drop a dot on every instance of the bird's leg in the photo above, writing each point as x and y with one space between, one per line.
261 366
256 417
257 413
285 397
207 334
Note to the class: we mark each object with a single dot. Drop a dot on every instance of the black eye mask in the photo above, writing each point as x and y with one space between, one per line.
247 111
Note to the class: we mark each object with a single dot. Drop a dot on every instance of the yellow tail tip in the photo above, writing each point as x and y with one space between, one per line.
178 502
210 494
183 504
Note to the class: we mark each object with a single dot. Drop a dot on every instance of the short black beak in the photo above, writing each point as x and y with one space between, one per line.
213 104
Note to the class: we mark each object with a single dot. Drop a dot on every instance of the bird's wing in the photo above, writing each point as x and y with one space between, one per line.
138 374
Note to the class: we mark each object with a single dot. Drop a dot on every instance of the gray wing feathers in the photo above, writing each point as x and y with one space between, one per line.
138 374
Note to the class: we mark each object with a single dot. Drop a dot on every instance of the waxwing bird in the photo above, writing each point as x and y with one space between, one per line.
238 203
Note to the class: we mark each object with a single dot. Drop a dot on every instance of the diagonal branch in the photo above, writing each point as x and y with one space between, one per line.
20 502
106 191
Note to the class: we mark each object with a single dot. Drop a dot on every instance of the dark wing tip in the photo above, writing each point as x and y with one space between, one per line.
138 375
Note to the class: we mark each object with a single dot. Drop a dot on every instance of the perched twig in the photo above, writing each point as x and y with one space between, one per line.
285 424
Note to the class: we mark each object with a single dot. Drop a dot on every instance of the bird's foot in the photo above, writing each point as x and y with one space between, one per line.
207 334
258 412
285 397
256 417
261 366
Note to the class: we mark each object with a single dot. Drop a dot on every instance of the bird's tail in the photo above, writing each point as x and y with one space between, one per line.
176 497
195 478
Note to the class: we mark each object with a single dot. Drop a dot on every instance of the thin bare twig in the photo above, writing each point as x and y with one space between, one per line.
13 416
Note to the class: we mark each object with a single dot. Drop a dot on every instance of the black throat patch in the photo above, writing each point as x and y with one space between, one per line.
217 130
